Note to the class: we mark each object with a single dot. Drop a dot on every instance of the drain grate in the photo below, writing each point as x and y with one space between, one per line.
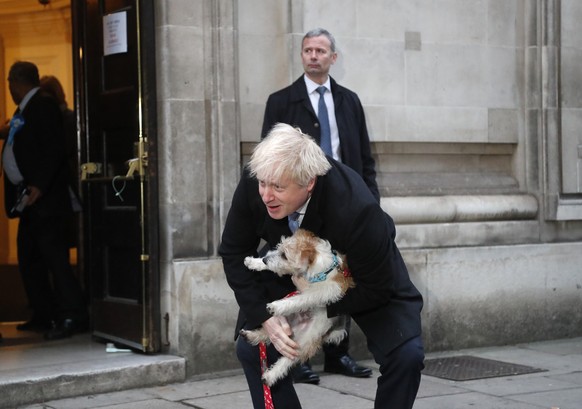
466 368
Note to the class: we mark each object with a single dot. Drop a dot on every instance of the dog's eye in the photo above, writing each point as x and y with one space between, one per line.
283 256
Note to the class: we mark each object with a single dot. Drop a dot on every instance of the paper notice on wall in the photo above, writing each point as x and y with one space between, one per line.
115 33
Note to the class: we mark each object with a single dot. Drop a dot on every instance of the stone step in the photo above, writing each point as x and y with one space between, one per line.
35 372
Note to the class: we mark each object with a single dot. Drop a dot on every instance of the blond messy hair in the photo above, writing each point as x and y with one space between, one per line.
288 152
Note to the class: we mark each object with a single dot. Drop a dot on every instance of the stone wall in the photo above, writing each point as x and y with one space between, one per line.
473 108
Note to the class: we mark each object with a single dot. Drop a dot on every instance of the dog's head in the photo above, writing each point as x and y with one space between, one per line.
301 255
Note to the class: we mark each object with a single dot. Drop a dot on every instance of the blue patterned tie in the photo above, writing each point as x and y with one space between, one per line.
293 221
324 123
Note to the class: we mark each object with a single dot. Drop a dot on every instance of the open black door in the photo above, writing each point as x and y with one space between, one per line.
115 89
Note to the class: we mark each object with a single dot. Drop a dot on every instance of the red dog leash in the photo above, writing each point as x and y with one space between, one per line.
266 390
264 365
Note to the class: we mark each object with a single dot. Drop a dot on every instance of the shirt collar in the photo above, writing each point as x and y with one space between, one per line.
302 210
27 98
312 85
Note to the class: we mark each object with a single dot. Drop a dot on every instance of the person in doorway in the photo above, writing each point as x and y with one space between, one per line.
288 172
35 170
50 85
343 135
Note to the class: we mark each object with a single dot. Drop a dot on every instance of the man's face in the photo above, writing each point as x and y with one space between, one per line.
15 91
284 197
317 58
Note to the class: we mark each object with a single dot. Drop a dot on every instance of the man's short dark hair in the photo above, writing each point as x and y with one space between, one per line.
24 72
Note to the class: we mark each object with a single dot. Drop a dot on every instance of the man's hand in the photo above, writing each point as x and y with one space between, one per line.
280 332
34 195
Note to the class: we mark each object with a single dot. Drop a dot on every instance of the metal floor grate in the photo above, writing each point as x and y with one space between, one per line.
466 368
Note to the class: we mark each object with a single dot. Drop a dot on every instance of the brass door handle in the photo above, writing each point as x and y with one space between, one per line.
90 168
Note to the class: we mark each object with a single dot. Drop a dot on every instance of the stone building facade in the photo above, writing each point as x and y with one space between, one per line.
474 108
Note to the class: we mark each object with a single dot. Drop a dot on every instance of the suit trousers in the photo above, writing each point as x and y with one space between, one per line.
53 291
400 371
398 382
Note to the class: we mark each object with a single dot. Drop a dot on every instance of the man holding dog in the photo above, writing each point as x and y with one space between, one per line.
287 173
343 135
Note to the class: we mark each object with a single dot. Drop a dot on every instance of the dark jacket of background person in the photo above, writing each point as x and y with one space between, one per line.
292 106
39 150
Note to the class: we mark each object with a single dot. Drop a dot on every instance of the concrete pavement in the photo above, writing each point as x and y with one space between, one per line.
558 386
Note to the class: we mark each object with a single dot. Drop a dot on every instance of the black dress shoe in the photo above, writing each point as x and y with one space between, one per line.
303 373
34 324
346 365
66 329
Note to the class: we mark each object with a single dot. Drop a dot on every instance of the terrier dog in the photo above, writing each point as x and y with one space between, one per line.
325 279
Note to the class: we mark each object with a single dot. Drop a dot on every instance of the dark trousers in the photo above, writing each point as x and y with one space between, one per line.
399 378
52 289
398 382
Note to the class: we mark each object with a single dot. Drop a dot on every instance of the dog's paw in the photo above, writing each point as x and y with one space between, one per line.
271 308
335 337
268 379
276 308
244 333
254 263
252 337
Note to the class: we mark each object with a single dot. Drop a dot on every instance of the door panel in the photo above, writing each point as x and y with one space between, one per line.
119 239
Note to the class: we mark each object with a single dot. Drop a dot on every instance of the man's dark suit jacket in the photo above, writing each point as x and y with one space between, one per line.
384 303
39 149
292 106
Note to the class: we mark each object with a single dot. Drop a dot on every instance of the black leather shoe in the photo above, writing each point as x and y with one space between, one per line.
346 365
65 329
34 324
303 373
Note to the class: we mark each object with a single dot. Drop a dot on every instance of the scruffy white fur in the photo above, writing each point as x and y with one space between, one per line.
303 256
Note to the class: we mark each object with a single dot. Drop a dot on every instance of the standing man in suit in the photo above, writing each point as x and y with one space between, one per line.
299 105
287 173
34 160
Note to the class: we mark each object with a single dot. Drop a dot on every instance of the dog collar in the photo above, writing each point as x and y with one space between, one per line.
323 275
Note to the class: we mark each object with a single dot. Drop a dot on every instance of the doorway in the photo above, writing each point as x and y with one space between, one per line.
33 32
113 94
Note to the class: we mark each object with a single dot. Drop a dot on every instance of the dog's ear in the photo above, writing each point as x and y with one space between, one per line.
308 254
306 247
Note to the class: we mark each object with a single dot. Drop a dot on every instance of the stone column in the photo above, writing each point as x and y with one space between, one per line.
199 153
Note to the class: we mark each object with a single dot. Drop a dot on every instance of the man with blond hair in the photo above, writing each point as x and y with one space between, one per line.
288 174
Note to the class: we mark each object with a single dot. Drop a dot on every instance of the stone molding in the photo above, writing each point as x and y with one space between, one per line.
449 209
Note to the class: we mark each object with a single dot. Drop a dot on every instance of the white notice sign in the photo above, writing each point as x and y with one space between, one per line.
115 33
